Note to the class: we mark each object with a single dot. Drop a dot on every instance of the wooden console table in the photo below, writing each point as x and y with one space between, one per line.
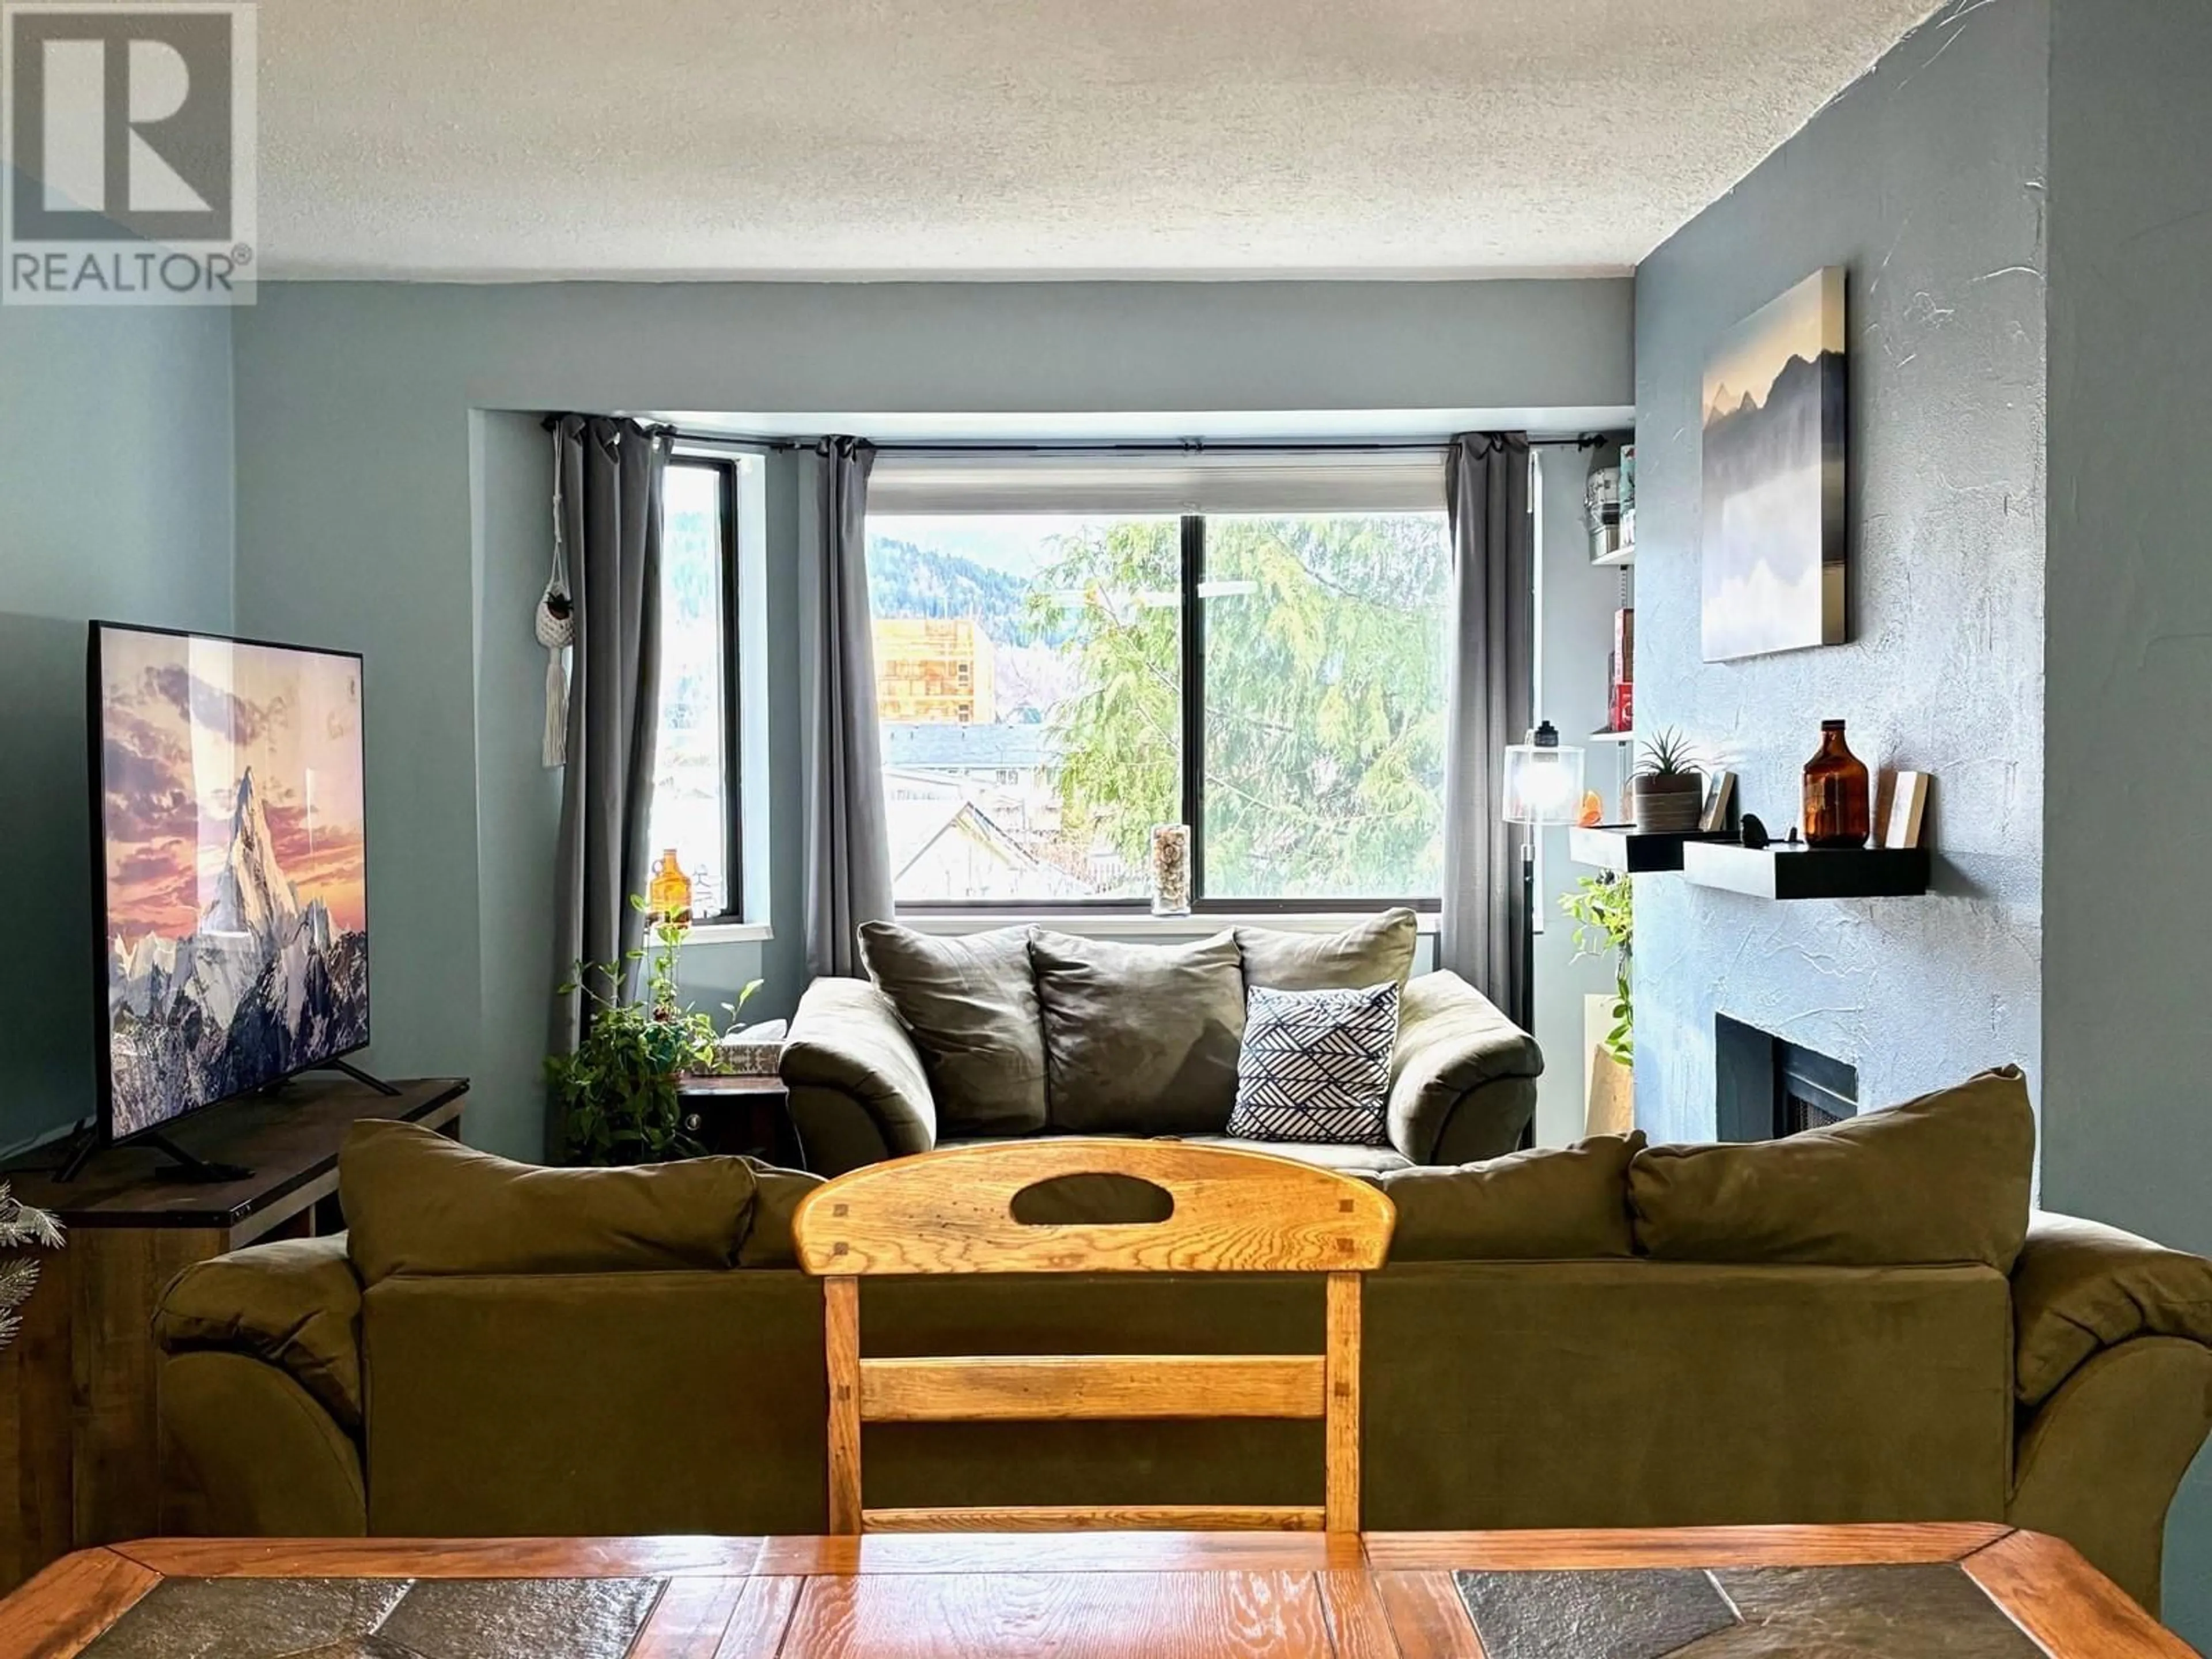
80 1456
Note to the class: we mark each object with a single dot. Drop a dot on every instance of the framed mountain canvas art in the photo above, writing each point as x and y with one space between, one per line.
1775 396
230 877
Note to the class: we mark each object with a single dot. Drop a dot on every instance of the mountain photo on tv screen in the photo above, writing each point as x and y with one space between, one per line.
232 866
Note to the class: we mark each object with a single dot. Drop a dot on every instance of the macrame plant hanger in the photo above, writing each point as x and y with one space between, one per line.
557 628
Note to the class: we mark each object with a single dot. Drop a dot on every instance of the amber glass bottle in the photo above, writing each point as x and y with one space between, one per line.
1838 807
668 895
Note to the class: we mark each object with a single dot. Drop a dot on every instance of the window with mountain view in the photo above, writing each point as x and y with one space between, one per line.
1034 696
1026 679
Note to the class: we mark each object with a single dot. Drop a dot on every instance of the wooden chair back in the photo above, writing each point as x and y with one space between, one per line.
952 1212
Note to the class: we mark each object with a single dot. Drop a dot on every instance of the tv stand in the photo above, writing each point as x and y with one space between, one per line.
80 1423
186 1167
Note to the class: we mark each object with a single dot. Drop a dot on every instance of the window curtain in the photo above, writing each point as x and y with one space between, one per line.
607 496
1487 703
848 860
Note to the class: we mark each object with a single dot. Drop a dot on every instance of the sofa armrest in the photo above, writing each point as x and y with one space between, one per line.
2079 1287
295 1304
248 1453
845 1040
1453 1043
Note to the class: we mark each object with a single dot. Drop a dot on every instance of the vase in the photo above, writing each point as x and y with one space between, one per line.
1171 870
668 895
1838 809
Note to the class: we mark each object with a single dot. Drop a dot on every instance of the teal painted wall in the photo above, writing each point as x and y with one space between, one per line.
115 503
386 503
2127 1138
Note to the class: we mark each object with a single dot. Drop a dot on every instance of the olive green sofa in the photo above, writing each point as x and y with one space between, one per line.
1864 1326
1025 1032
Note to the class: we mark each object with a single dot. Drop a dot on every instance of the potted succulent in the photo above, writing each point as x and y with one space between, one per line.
1667 792
1603 910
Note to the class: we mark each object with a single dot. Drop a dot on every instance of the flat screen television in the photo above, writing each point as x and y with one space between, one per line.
230 869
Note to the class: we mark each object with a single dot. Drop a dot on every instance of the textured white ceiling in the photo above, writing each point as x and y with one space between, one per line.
831 139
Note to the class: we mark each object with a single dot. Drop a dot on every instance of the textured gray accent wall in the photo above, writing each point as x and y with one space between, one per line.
1926 180
115 503
2127 1128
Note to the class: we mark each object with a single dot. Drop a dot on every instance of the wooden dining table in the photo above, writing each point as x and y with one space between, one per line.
1962 1591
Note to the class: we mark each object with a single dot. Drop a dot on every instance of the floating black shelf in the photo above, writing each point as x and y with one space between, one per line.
1631 851
1808 872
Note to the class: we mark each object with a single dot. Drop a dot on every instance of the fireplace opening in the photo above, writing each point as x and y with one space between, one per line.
1767 1087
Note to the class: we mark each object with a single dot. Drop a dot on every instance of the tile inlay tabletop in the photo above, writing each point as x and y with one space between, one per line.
1965 1590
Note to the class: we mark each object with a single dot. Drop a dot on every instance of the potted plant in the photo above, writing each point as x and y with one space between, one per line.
1669 790
617 1092
1603 910
22 1227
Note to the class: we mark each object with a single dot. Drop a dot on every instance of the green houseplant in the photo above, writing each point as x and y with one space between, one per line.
1604 909
1667 792
618 1093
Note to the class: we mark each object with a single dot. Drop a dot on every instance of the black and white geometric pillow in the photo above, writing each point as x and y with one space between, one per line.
1315 1066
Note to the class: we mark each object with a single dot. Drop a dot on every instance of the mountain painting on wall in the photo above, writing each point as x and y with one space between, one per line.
234 879
1775 403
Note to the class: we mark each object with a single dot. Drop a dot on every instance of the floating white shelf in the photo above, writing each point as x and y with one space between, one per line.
1625 554
1613 737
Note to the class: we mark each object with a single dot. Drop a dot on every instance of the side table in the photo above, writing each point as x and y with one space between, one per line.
749 1116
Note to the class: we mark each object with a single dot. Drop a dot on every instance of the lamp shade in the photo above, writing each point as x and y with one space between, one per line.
1543 779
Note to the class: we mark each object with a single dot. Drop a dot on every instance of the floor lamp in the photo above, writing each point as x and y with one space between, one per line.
1543 785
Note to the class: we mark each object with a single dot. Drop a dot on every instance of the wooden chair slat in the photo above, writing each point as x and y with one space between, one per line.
950 1212
1126 1517
1016 1388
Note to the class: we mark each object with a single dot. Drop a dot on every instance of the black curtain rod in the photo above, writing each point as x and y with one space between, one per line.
1165 446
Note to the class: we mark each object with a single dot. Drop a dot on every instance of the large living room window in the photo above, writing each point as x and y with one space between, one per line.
1069 653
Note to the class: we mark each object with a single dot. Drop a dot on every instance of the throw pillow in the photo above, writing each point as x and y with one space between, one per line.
1547 1204
1366 953
1138 1039
1316 1065
1942 1178
970 1004
418 1203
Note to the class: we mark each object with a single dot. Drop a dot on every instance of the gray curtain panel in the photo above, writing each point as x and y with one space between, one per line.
849 859
1486 707
610 496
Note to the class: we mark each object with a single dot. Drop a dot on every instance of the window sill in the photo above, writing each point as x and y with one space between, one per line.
730 932
1143 925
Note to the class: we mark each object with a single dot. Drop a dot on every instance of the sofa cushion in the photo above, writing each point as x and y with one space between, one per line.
1314 1065
1138 1039
1942 1178
294 1302
1370 950
2079 1287
418 1203
1562 1203
970 1004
